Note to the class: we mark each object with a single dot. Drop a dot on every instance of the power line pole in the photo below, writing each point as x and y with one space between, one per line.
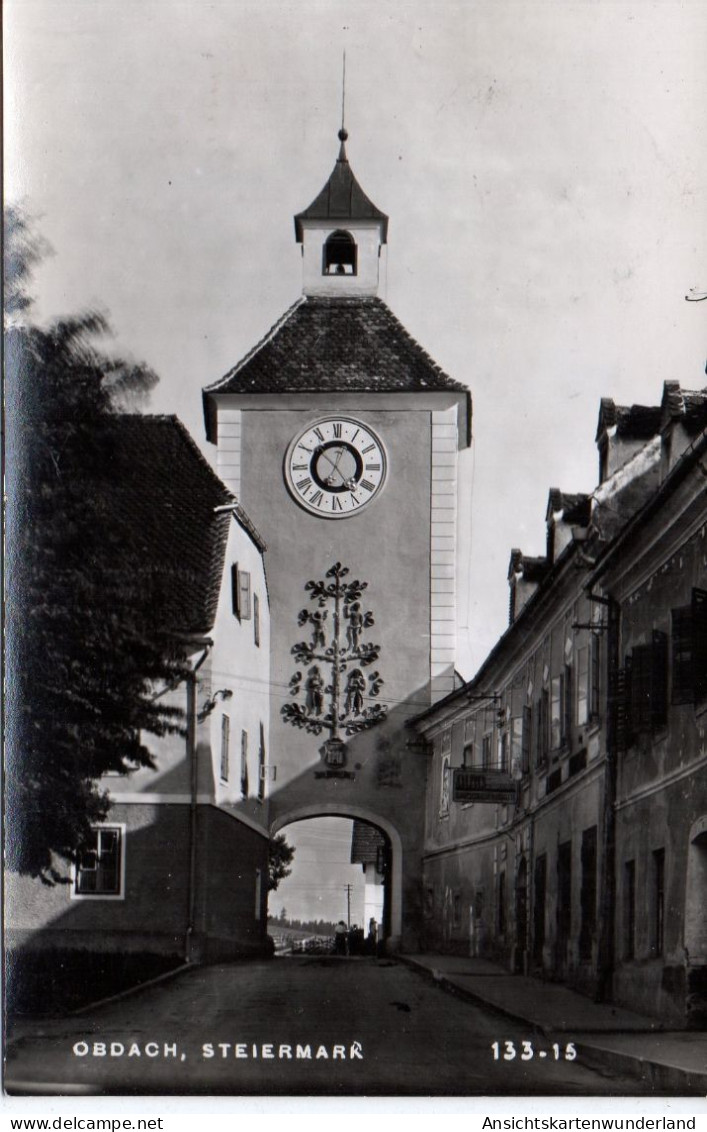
348 905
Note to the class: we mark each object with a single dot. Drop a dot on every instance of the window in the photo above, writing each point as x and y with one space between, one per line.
503 752
629 909
486 751
658 900
543 728
444 787
244 763
501 909
588 893
457 910
594 682
517 745
556 712
340 254
261 765
240 593
568 704
689 651
646 693
526 738
99 871
582 686
468 755
256 620
225 740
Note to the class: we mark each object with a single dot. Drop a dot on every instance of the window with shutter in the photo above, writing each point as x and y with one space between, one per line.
261 765
659 680
640 683
244 763
225 742
568 698
256 620
582 686
683 691
526 738
240 593
556 712
699 639
594 682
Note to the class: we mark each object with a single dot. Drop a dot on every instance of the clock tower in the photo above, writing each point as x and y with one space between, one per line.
340 437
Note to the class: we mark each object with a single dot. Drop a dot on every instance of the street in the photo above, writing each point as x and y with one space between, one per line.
294 1026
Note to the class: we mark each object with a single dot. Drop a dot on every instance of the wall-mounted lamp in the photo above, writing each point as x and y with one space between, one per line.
210 704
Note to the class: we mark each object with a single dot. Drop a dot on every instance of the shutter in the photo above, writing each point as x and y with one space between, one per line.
699 644
457 758
659 680
683 690
594 680
641 688
234 589
526 738
622 705
569 698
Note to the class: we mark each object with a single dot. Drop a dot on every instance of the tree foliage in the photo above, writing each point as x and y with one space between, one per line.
279 860
87 637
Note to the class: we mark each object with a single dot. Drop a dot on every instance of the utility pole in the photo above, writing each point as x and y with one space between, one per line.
348 906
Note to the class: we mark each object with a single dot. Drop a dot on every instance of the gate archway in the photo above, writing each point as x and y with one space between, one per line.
333 809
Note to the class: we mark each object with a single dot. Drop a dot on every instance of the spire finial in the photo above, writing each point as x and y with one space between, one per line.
343 134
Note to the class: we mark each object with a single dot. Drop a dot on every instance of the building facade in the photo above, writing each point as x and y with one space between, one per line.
178 869
341 436
566 790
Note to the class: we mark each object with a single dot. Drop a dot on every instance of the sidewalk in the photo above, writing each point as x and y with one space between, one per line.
606 1036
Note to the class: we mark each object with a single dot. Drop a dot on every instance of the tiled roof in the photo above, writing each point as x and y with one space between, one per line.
341 199
633 422
366 840
575 506
531 569
337 344
687 405
165 492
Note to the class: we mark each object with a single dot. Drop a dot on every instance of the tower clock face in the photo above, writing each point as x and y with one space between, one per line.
335 467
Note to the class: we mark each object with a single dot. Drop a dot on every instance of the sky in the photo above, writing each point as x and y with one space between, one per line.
321 871
542 163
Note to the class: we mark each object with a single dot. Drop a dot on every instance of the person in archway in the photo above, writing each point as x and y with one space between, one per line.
340 938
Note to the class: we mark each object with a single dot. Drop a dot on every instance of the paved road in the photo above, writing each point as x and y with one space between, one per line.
396 1032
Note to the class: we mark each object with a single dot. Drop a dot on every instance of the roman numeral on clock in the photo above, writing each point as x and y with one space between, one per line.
336 503
337 431
316 498
368 486
368 448
373 467
318 432
299 467
304 485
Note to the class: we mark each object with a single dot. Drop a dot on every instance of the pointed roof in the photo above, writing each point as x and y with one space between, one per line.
343 345
342 198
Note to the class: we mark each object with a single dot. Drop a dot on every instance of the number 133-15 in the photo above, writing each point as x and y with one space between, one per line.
527 1052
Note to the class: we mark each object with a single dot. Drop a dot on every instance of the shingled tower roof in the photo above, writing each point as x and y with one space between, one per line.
342 198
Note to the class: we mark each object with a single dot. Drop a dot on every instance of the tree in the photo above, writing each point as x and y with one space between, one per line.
87 637
280 857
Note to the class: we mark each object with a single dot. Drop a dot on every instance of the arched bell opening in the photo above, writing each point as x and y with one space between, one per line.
340 254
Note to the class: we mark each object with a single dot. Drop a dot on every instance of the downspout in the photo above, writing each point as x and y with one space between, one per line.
192 685
607 900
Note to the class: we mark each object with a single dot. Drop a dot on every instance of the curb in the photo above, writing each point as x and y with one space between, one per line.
662 1078
163 978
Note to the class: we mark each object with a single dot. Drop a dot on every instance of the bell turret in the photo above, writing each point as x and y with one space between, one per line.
341 234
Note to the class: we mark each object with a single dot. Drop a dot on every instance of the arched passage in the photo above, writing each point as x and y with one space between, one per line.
333 809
